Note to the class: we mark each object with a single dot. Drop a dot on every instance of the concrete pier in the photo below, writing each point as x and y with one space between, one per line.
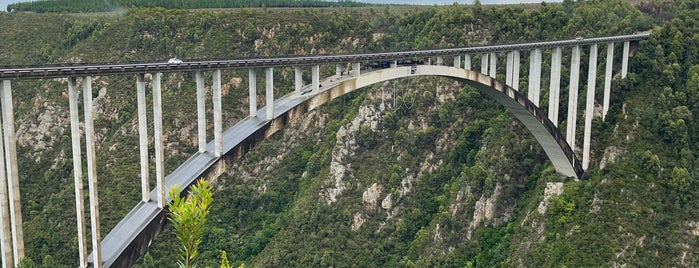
467 62
573 96
608 79
201 111
269 92
92 173
143 135
315 78
158 140
457 61
555 85
625 60
8 237
515 70
493 65
508 68
252 86
356 69
484 63
298 79
534 76
440 61
77 171
589 105
218 116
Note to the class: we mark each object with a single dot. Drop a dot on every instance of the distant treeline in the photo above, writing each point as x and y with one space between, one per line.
110 5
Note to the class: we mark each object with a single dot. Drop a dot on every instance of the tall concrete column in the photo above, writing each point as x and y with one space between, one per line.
555 85
8 124
467 62
608 79
158 140
625 60
252 85
394 64
269 92
338 69
201 112
515 70
534 76
6 248
457 61
356 69
590 104
77 171
315 78
142 135
508 68
573 96
440 61
484 63
298 79
218 117
92 173
493 65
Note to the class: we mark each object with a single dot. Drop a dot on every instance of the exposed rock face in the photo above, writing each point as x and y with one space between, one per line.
484 209
43 127
371 196
552 189
345 146
611 156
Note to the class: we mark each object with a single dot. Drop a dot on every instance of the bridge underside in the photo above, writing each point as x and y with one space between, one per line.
130 237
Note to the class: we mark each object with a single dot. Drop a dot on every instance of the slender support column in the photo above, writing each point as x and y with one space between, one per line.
555 85
92 173
158 139
338 69
625 60
77 171
440 61
298 79
508 68
5 239
573 96
394 64
590 105
515 71
8 124
252 85
457 61
484 63
143 135
493 65
608 79
356 69
467 62
218 124
534 76
269 92
315 78
201 111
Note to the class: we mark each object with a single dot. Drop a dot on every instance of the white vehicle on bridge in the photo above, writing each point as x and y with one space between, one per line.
174 61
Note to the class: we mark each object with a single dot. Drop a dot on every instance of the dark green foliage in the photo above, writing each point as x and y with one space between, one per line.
76 6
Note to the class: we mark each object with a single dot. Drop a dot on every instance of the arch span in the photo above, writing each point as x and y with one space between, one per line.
128 240
546 133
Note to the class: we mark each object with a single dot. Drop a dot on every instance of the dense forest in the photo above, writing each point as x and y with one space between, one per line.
419 172
73 6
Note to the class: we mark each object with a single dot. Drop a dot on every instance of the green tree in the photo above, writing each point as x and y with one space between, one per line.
188 216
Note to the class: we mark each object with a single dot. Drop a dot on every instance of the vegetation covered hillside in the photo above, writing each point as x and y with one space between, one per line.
419 172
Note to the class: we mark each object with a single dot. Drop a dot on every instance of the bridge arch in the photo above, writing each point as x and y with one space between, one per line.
128 240
544 131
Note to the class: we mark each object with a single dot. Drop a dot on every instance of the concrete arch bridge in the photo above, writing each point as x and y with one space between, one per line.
126 242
